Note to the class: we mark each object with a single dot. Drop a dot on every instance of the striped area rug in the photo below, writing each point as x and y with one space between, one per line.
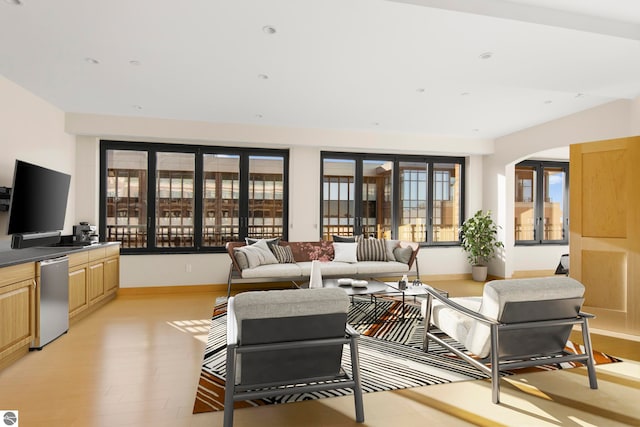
390 357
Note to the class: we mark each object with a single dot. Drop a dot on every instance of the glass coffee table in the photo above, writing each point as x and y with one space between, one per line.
376 289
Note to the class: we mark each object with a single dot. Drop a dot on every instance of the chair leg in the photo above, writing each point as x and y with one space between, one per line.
229 386
229 281
591 369
357 389
495 366
427 323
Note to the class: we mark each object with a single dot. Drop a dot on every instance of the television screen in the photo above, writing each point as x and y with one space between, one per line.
38 199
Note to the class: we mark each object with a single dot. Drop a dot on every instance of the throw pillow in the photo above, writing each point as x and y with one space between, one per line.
241 259
272 241
259 254
343 239
390 245
345 252
403 255
283 254
309 251
371 249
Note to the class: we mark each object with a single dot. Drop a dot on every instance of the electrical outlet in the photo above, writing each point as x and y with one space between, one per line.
187 268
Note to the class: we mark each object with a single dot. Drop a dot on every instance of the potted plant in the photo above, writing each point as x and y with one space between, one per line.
479 238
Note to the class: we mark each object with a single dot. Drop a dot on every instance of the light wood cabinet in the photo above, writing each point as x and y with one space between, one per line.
17 311
96 282
78 279
111 275
94 279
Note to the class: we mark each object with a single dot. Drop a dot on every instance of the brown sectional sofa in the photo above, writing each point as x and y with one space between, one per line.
306 252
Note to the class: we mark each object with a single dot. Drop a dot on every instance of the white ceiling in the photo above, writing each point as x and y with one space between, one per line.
408 66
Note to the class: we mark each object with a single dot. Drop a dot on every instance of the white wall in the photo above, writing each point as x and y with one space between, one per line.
613 120
33 130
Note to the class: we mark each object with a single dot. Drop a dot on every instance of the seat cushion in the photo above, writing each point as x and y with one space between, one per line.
378 267
272 271
452 322
331 268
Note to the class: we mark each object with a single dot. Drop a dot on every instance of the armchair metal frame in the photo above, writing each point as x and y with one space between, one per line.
514 352
288 355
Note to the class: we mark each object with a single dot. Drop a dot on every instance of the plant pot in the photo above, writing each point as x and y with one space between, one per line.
479 272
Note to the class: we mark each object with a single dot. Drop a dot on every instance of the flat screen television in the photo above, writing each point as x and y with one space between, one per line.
38 199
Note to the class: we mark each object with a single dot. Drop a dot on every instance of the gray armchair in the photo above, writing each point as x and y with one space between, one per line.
287 342
516 323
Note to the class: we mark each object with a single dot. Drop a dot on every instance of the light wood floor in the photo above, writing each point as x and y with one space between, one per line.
136 362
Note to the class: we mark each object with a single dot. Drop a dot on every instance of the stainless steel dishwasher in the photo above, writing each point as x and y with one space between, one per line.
53 318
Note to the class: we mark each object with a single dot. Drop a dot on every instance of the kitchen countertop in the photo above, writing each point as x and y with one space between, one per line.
10 256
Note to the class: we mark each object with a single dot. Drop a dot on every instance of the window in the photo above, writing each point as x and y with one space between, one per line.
541 202
391 197
181 198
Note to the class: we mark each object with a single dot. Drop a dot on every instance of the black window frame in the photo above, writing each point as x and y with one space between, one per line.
152 148
396 159
539 166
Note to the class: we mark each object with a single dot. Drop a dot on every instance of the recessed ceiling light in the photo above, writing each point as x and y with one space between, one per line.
263 76
134 62
420 90
15 2
476 130
376 123
579 95
486 55
137 107
268 29
465 94
548 101
258 116
91 61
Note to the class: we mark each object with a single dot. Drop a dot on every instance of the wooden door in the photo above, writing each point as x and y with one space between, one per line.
78 300
111 274
96 282
605 230
17 315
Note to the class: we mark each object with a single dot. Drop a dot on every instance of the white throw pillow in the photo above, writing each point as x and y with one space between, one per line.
390 245
345 252
258 254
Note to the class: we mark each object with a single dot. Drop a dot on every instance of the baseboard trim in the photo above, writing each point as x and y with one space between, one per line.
522 274
191 289
222 287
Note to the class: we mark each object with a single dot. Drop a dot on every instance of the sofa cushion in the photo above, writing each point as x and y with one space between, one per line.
343 239
403 254
270 271
454 323
309 251
345 252
332 268
283 254
390 245
371 249
271 241
241 259
258 254
377 267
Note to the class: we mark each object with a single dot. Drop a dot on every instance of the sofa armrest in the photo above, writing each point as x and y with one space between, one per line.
230 246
